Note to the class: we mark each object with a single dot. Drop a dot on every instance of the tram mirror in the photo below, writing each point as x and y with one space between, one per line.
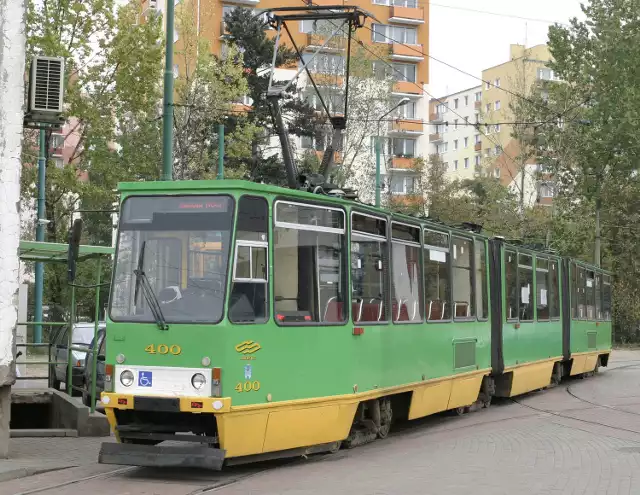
75 233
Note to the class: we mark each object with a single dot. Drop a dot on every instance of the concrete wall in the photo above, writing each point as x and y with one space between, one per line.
12 63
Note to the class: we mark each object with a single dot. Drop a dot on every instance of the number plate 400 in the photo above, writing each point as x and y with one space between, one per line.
163 349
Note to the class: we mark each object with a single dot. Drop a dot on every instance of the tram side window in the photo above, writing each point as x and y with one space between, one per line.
369 271
482 299
405 270
582 301
590 294
511 285
437 285
554 290
598 296
463 303
309 263
248 301
542 288
574 291
525 278
606 297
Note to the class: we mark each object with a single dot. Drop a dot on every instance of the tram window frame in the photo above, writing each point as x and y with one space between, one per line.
598 296
472 296
304 227
547 287
251 244
382 235
485 294
582 293
606 316
591 299
573 279
532 292
443 247
506 297
415 242
557 308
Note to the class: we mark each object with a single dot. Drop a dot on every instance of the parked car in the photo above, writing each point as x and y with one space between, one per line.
82 337
86 387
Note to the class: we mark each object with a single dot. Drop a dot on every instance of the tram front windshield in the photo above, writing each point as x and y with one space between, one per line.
180 245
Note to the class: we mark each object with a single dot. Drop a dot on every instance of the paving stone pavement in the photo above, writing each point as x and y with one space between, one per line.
582 437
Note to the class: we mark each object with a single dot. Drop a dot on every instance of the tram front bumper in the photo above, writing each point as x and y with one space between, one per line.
162 456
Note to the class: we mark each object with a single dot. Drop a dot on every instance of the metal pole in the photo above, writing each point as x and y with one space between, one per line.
220 151
167 115
39 282
94 358
378 170
72 321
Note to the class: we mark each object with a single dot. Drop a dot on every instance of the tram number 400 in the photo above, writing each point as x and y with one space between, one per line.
163 349
248 386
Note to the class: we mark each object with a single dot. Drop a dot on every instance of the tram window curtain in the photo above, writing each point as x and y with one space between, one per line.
248 302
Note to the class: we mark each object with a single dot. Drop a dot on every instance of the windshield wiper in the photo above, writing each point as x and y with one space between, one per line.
147 291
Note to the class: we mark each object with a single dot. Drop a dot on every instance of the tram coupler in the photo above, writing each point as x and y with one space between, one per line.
127 454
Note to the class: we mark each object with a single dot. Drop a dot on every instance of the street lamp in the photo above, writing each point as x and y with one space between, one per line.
401 103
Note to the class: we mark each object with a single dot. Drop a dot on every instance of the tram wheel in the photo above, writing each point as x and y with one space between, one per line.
386 418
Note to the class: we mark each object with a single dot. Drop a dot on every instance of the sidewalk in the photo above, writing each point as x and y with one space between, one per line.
29 456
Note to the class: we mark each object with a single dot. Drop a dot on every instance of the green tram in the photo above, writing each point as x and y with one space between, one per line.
251 321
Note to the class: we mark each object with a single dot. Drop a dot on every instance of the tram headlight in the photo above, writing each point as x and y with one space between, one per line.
126 378
198 380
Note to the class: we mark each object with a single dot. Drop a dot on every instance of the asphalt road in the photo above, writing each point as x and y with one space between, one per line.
582 437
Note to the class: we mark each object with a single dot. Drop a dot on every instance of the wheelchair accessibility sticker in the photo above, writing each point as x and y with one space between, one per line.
145 379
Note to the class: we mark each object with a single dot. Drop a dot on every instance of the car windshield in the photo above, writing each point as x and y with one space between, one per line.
181 245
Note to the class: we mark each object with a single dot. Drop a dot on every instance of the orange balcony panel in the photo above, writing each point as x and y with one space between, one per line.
406 87
407 13
435 137
407 200
402 163
478 105
328 79
478 147
407 125
240 107
407 50
337 156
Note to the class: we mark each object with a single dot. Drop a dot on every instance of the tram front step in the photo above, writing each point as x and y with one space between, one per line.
161 456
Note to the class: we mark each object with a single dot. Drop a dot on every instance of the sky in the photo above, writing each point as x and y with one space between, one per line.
473 41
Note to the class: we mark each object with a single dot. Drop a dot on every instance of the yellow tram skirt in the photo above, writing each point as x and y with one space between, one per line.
262 428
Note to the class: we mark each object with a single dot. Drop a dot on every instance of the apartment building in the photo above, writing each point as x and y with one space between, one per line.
496 152
453 136
400 33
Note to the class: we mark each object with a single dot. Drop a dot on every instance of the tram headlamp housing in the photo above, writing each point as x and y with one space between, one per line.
126 378
198 380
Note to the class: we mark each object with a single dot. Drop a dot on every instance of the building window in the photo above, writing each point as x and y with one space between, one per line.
326 63
497 128
404 72
402 184
487 152
441 109
58 162
455 123
249 300
463 303
456 103
57 141
497 150
455 145
497 105
546 191
383 33
455 164
497 83
466 142
496 173
369 268
466 163
487 85
443 148
466 101
478 96
404 147
488 107
437 281
477 138
309 262
477 158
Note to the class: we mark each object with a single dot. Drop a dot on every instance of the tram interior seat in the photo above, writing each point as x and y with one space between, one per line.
462 309
403 313
436 309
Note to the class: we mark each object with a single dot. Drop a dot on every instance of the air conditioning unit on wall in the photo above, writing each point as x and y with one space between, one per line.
46 86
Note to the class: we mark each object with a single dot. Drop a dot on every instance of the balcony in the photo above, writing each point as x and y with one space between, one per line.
337 156
410 126
478 147
332 80
478 105
410 53
406 15
406 87
435 138
412 200
436 117
402 163
243 2
315 41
